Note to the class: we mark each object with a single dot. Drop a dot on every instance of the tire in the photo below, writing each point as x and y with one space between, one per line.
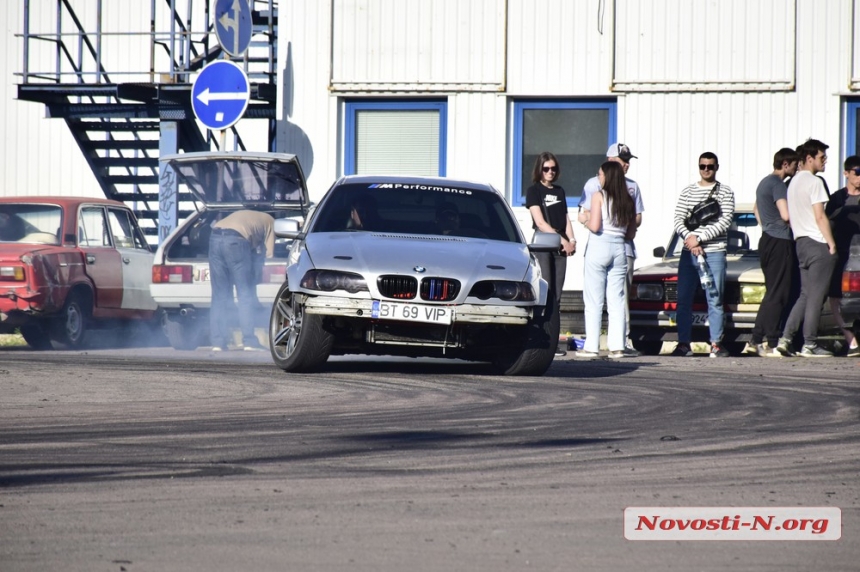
537 351
72 327
182 335
649 347
37 337
298 341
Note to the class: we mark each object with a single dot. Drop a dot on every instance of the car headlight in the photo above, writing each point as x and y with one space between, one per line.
752 293
651 292
331 280
503 290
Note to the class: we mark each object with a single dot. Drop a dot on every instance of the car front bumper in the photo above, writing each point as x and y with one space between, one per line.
463 313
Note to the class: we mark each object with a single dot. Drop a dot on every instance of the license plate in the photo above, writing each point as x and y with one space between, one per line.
699 319
411 312
203 275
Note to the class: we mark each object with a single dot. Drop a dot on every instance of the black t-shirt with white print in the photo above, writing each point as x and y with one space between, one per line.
555 204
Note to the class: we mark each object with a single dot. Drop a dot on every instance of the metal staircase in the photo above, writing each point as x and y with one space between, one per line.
117 116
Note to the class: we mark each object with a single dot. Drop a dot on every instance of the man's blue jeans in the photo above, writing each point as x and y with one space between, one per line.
688 281
231 263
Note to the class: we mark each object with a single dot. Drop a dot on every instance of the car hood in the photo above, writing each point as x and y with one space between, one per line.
745 268
242 178
466 259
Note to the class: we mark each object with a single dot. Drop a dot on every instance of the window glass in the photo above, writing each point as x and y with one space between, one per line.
578 134
852 135
416 209
395 138
92 228
126 234
30 223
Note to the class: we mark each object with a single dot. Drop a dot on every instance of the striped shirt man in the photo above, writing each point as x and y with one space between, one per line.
711 236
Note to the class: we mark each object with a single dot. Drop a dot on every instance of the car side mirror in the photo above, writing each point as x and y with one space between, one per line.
287 228
659 252
545 242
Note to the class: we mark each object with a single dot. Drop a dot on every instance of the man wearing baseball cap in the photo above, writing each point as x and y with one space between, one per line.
620 153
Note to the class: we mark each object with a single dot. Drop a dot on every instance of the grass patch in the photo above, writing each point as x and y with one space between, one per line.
12 340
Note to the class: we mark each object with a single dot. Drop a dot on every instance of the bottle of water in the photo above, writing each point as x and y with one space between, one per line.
706 277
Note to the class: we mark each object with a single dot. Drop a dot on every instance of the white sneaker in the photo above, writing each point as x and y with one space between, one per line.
587 354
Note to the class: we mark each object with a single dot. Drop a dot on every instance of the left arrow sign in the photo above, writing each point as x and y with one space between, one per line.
206 96
220 94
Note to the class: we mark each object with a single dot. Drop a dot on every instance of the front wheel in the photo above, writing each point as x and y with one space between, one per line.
298 341
537 351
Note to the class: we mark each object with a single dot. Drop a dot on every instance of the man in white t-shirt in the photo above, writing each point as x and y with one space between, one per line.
620 153
816 249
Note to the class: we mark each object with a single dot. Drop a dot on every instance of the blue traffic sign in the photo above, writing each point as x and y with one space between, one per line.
233 26
220 94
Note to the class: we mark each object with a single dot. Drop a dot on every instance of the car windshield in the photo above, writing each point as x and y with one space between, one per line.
416 209
743 237
30 224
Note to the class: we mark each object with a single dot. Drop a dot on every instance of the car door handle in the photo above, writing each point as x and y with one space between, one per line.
126 260
91 259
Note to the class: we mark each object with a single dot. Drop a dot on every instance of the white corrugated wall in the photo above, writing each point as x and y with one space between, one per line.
39 155
756 76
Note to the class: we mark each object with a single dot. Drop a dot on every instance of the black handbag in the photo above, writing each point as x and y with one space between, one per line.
705 212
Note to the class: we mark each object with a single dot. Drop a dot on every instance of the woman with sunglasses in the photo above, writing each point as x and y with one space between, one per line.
547 204
611 224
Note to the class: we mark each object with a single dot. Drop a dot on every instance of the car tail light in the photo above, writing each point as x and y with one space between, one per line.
851 282
169 274
274 274
12 273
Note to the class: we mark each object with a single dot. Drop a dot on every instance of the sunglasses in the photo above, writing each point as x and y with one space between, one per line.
548 169
707 167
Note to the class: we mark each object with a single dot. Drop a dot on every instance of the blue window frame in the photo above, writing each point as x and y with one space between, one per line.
396 137
852 131
576 132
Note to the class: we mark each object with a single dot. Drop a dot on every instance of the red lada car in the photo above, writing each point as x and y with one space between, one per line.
69 265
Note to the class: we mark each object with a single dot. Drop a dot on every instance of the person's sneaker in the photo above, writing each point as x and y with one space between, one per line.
625 353
219 349
254 348
853 352
560 352
815 351
682 350
752 349
630 351
770 351
586 354
784 347
718 351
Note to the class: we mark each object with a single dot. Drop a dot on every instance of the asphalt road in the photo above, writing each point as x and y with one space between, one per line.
153 459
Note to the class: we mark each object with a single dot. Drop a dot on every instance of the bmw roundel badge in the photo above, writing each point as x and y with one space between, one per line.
419 269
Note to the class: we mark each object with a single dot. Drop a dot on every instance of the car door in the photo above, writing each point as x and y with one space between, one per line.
102 261
136 260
